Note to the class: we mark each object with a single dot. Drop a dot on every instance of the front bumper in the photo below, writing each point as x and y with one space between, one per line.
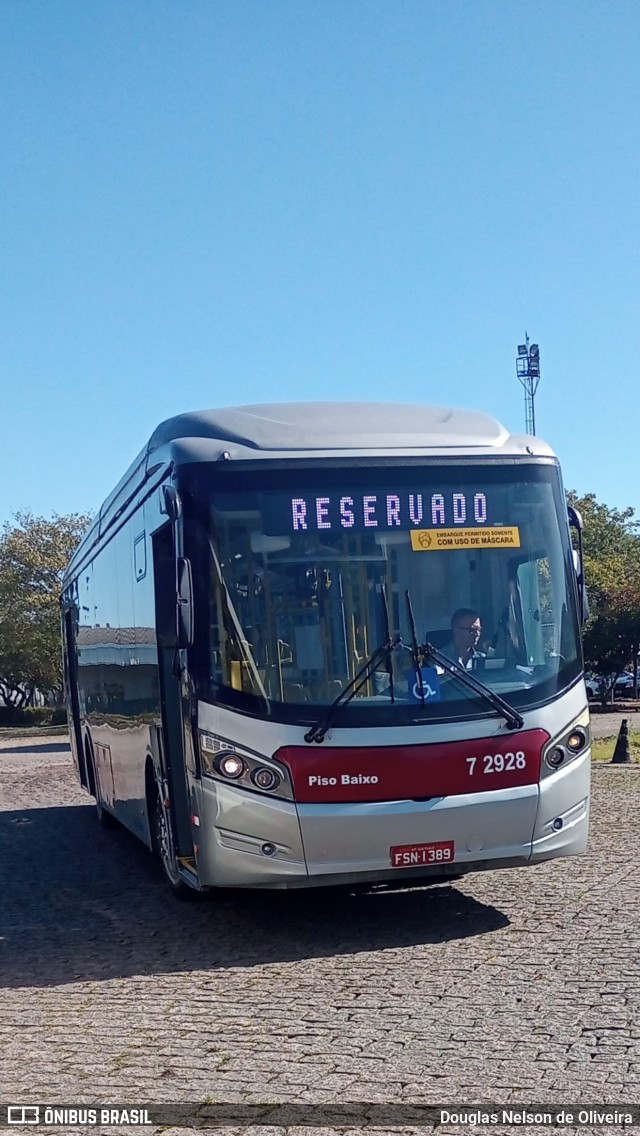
250 840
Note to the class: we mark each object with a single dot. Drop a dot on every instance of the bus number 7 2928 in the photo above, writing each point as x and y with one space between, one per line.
332 644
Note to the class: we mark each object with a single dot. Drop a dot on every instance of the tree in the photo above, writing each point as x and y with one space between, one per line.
612 572
33 555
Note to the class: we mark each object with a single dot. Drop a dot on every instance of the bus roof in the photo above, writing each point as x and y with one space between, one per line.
332 426
298 430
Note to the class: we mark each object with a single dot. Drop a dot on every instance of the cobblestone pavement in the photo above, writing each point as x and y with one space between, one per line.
516 986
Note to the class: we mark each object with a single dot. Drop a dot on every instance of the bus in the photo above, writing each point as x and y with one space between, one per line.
258 658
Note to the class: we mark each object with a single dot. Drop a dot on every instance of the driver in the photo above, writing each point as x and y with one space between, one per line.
466 629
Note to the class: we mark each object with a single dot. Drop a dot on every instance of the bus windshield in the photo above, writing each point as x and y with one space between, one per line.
297 587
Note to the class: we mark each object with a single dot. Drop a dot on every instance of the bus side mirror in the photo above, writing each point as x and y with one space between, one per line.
184 603
575 522
171 503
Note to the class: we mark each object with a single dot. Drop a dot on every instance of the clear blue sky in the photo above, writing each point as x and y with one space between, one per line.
213 202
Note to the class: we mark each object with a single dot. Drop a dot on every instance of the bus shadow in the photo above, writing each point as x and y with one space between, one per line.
84 904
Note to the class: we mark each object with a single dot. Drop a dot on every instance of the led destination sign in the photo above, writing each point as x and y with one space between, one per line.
380 510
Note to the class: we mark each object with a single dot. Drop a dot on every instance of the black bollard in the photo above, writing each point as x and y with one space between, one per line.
621 753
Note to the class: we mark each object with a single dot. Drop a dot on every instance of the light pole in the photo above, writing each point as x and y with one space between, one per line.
528 372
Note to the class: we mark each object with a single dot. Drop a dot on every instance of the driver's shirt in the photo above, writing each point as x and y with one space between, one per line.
450 651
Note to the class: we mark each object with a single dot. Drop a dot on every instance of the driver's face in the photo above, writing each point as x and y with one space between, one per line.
466 634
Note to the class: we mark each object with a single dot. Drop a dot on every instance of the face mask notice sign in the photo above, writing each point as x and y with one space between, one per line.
441 540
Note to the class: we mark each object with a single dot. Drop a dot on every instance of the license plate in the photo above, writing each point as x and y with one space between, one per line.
413 855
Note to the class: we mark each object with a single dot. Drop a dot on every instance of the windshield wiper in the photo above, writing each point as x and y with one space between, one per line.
511 716
417 661
387 637
382 654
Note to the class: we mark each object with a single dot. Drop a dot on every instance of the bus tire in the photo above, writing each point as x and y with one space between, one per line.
105 818
162 845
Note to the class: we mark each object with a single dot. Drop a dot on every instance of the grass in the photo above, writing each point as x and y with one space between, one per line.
34 731
602 748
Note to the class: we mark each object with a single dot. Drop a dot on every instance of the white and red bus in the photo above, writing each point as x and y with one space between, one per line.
258 649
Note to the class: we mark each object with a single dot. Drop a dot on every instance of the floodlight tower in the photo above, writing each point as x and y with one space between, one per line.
528 372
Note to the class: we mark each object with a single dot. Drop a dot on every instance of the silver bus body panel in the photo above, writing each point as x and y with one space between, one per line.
330 429
120 756
358 837
320 844
234 826
564 796
349 843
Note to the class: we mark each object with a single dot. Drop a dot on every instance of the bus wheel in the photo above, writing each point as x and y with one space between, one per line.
164 850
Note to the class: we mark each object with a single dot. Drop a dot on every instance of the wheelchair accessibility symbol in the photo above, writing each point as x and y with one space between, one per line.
430 686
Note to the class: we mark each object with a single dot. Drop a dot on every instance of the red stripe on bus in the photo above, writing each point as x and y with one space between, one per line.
392 773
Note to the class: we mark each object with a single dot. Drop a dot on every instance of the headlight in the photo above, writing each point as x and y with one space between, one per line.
230 765
568 745
224 761
265 778
576 740
555 757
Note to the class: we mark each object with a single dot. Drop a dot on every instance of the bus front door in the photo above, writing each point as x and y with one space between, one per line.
172 752
73 702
